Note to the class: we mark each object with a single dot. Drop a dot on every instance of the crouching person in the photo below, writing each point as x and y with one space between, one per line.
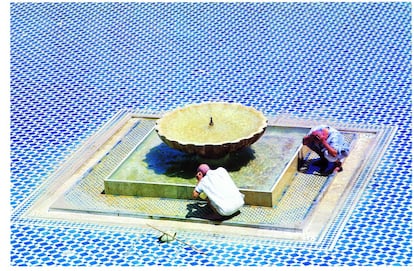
329 144
222 194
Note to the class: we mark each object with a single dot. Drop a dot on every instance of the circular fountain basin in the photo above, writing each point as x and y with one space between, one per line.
211 130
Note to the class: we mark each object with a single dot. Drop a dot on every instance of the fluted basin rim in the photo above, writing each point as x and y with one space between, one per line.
163 130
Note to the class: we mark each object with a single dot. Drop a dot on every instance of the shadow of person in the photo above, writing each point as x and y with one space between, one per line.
316 166
204 211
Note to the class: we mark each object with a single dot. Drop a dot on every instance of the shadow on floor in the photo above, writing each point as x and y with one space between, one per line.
204 211
314 166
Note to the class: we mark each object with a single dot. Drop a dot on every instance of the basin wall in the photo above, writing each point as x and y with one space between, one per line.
143 189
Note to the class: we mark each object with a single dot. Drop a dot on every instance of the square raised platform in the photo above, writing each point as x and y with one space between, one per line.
153 169
304 208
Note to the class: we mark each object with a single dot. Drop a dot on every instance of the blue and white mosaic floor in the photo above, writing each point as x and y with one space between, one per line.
74 65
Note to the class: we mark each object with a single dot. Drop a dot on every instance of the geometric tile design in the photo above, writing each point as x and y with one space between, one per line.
74 65
290 213
85 194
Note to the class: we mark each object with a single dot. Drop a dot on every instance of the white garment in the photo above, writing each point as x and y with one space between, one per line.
221 191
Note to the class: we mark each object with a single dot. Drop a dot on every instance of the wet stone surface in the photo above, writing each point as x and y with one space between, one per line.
256 167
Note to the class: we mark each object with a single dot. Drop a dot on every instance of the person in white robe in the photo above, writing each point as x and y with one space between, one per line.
221 192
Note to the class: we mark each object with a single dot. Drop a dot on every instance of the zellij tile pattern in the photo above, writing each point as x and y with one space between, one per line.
74 65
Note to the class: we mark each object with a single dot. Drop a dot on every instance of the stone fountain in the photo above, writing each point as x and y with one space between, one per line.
211 130
163 159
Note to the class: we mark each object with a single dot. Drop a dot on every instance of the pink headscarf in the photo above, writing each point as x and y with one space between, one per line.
203 168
